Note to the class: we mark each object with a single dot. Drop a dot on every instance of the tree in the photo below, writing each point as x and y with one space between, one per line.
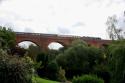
52 54
113 31
79 59
7 38
33 51
116 61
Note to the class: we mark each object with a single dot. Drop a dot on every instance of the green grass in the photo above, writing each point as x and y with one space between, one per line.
41 80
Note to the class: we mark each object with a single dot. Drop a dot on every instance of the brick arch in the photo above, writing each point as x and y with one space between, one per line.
64 42
27 37
28 41
60 42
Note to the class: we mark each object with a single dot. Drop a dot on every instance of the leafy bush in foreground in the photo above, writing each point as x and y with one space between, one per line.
87 79
14 69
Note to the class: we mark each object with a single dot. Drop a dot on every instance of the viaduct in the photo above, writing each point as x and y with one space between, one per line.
43 40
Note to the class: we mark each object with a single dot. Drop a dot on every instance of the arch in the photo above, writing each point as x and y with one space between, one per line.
26 43
55 45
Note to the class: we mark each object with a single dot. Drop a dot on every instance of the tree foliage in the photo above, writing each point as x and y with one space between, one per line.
79 59
14 69
116 58
7 38
87 79
33 51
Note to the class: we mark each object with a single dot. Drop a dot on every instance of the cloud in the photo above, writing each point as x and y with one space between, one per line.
15 21
78 24
62 30
105 3
60 16
10 15
1 1
28 30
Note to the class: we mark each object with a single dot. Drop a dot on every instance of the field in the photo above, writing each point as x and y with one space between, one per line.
41 80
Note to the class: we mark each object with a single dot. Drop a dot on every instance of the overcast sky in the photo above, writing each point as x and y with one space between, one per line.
74 17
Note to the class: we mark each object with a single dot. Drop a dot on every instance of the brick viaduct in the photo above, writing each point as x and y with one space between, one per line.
43 40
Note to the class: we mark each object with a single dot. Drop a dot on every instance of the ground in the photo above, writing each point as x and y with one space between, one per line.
41 80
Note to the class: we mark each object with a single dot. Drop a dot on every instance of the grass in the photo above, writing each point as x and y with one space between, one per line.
41 80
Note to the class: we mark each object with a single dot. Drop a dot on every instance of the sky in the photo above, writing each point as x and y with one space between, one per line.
65 17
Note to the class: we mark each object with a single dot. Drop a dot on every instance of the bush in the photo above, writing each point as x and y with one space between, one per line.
14 69
102 72
52 70
42 68
42 57
87 79
61 75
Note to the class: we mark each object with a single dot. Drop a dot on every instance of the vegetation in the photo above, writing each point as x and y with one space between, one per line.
41 80
7 38
79 59
14 69
115 31
33 51
117 61
61 75
62 65
87 79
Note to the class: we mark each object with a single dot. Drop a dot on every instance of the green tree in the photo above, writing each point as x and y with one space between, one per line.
7 38
52 70
79 58
116 59
52 54
33 51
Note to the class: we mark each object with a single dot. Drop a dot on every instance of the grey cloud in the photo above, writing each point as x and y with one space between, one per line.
104 2
1 1
78 24
6 23
63 30
16 16
9 19
121 21
28 30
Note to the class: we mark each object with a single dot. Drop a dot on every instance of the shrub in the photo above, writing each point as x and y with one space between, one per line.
61 75
87 79
14 69
42 57
102 72
52 70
